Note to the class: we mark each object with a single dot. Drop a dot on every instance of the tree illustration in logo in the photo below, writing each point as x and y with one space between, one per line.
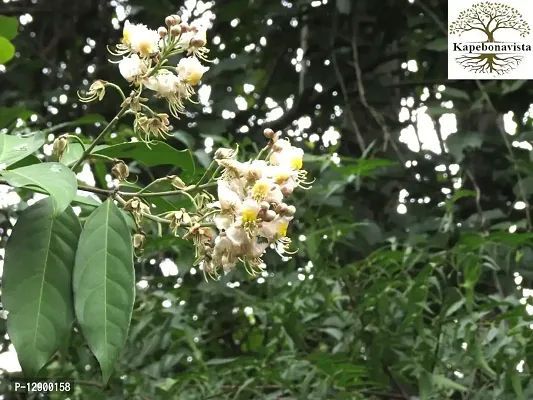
489 18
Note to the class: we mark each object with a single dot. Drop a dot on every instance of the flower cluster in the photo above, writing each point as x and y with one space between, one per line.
252 214
141 47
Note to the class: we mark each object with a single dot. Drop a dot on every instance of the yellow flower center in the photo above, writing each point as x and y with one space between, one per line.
126 36
297 162
145 49
260 190
249 216
281 178
282 229
194 78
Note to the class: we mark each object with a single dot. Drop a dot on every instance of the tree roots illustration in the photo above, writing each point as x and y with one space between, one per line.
489 63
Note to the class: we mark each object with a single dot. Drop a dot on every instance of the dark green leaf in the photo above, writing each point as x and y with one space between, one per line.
54 178
14 148
36 286
104 284
159 153
8 27
438 45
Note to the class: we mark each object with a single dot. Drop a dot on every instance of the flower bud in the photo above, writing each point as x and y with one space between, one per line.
281 208
269 216
185 27
175 30
139 239
162 31
60 146
120 171
269 133
177 182
199 40
224 153
290 211
177 18
286 190
171 21
265 205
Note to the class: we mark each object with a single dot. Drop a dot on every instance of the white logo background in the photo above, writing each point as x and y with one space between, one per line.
524 70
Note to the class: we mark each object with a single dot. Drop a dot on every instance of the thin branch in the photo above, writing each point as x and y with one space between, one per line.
362 94
342 84
503 134
88 150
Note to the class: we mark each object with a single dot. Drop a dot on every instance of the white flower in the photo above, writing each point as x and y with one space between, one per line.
248 211
275 229
225 253
191 70
185 39
132 67
229 200
289 156
238 236
139 39
275 195
164 83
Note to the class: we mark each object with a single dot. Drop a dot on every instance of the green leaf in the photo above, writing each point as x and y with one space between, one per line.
10 114
159 153
446 383
528 135
25 162
73 153
54 178
104 284
458 142
86 200
517 385
36 286
88 119
513 86
527 186
455 93
14 148
9 27
344 6
437 111
439 45
7 50
454 307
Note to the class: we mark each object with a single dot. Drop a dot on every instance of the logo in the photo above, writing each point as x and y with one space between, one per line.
490 40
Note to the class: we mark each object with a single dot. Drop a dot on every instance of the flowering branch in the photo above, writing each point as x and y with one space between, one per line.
249 213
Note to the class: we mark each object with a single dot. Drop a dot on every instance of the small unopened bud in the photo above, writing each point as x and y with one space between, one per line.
224 153
286 190
175 30
177 18
139 239
199 40
269 133
170 21
265 205
162 31
60 146
177 182
120 171
185 27
269 216
254 173
290 211
281 208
